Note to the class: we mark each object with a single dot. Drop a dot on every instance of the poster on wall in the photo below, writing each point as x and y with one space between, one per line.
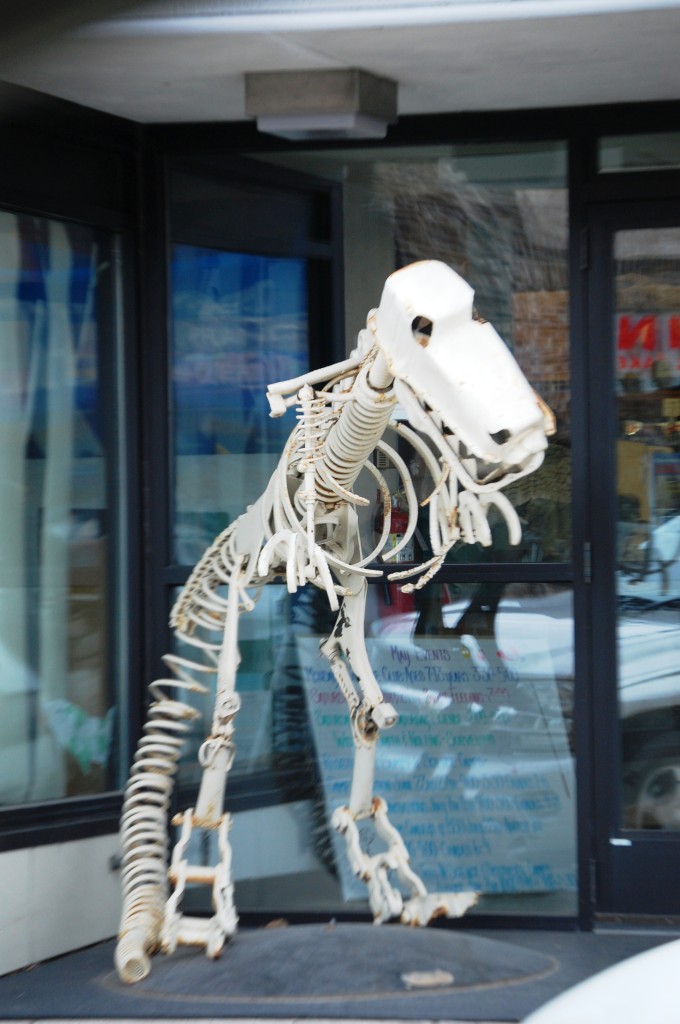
477 773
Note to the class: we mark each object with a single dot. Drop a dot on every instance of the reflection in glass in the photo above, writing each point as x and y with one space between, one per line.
272 726
239 323
497 214
57 705
647 334
282 853
478 771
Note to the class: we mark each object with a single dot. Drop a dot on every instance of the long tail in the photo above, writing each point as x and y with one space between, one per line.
144 830
198 614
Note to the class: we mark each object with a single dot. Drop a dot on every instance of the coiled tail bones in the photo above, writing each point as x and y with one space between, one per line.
144 830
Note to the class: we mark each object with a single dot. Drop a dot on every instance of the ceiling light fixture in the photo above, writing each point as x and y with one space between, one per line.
325 103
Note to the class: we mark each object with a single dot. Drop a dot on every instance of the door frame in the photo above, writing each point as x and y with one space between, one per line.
631 872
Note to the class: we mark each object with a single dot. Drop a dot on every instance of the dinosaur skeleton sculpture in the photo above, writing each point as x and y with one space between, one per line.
477 425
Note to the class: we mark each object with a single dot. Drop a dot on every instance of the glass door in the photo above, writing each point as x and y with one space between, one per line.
635 387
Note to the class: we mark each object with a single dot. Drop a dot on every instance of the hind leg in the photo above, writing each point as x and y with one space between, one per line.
369 712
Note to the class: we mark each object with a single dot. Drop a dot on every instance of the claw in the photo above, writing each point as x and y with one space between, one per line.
264 560
326 578
299 569
292 563
508 512
473 522
385 900
420 910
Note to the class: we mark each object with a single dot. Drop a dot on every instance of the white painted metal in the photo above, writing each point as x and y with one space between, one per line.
641 988
481 426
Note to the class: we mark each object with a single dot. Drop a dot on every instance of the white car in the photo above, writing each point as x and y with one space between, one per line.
648 639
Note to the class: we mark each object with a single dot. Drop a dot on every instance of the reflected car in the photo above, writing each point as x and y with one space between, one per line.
648 649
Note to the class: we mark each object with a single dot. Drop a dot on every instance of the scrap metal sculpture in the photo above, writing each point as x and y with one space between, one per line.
477 426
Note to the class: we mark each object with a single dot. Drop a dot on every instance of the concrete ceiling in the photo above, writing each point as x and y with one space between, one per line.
178 62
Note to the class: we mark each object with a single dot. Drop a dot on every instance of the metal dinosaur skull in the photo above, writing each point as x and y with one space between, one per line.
456 375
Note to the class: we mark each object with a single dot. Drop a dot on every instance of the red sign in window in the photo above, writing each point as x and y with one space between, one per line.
646 338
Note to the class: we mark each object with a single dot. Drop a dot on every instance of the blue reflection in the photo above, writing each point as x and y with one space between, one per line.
239 323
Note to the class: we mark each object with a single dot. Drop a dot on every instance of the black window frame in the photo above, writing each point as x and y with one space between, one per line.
64 162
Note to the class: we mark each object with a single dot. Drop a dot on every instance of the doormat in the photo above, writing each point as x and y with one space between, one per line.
329 971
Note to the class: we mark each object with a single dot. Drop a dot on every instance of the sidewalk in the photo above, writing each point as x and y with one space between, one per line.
224 1020
231 1020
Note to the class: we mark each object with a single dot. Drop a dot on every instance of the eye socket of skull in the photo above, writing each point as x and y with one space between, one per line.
422 330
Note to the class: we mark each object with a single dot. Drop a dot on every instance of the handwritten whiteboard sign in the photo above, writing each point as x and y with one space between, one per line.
477 773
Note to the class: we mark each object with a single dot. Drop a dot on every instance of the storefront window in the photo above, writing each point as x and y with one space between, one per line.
497 214
239 323
478 772
59 704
